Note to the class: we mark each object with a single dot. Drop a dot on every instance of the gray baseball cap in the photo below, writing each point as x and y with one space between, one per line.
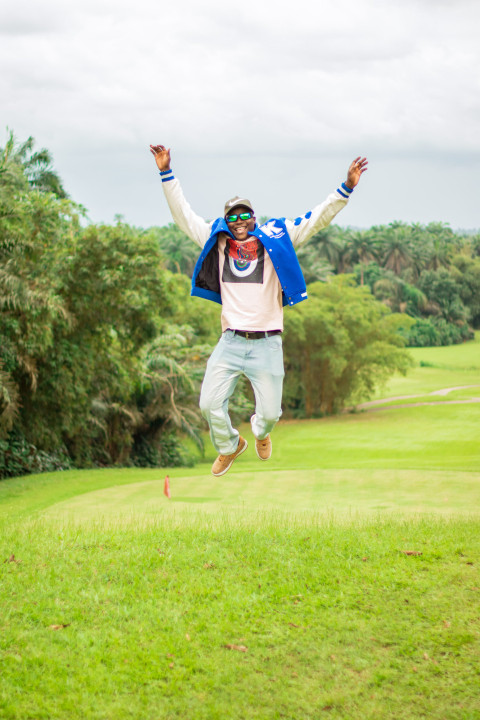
235 202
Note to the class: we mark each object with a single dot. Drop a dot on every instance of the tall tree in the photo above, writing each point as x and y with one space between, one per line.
37 165
322 252
180 252
31 226
395 247
339 346
361 249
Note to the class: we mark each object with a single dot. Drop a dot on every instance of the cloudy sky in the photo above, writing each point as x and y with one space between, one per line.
270 99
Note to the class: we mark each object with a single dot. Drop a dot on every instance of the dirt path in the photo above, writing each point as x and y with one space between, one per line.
470 401
445 391
383 403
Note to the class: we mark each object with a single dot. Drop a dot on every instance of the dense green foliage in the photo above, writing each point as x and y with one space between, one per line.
100 355
338 346
425 271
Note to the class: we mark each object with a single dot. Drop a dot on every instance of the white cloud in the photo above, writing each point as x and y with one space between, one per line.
100 79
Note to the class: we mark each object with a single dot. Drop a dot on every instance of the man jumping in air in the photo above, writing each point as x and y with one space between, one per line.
253 272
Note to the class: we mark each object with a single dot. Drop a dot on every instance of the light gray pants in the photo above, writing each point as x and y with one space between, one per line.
261 361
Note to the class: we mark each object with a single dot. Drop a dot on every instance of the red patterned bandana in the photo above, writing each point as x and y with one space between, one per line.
243 251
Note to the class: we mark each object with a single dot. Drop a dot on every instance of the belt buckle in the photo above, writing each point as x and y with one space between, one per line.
247 335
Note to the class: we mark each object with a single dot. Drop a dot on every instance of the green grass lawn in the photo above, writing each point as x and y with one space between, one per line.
246 617
340 579
416 459
438 368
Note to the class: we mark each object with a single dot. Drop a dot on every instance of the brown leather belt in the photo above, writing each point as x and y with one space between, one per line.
255 334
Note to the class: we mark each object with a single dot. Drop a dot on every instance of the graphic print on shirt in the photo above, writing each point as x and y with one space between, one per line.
243 262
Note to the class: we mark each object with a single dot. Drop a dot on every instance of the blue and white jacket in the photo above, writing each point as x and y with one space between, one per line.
279 237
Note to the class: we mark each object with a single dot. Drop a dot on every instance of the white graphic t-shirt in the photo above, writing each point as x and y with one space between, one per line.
250 289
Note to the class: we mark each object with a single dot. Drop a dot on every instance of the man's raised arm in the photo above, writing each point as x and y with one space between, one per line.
303 227
192 225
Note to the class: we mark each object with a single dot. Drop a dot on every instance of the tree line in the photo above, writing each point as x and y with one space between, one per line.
428 272
102 349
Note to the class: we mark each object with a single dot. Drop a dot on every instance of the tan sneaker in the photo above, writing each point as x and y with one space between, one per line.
225 462
264 448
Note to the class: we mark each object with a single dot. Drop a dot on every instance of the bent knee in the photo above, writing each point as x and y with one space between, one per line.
270 422
270 418
205 406
209 407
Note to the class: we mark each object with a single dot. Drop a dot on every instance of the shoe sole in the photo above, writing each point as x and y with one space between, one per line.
232 461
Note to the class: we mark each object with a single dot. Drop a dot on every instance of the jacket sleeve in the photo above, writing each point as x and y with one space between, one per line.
303 227
192 224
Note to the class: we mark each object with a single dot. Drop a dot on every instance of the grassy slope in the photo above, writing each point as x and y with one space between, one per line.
424 458
329 615
136 621
437 368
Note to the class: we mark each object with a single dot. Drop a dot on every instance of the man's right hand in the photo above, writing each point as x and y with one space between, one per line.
162 156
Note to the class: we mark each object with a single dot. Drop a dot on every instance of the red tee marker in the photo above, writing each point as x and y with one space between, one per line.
166 487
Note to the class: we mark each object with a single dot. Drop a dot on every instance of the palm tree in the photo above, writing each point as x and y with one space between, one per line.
418 251
315 269
180 253
361 249
325 245
440 255
117 423
37 166
170 383
396 250
389 291
441 246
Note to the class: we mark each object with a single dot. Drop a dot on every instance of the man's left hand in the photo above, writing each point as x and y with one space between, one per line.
358 166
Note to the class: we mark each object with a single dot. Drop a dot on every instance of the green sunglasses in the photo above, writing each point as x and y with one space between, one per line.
242 216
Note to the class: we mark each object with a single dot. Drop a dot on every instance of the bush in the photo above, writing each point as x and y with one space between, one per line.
433 332
168 451
19 457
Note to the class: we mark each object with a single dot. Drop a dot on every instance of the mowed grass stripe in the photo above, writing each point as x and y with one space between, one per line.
355 449
347 492
423 439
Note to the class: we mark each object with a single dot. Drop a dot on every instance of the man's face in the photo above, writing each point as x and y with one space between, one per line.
241 228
